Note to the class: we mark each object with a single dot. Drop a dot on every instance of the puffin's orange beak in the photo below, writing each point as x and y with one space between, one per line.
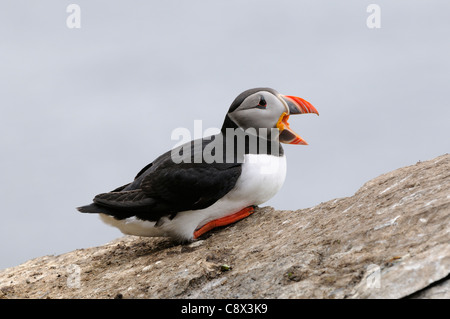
296 105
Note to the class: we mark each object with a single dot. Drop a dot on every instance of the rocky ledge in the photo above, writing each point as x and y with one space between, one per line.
389 240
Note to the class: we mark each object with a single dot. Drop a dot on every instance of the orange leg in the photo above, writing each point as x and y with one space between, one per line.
247 211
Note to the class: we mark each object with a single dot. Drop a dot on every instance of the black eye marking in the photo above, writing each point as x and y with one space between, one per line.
262 103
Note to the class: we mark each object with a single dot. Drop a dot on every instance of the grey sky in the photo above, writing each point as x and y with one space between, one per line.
83 110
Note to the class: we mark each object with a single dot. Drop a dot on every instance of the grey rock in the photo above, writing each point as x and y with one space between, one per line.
389 240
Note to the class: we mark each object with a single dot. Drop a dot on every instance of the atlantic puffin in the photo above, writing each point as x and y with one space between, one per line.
213 181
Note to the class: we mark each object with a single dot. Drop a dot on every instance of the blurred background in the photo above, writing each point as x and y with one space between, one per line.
82 110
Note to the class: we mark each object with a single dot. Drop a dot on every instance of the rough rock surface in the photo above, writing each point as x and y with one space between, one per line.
390 240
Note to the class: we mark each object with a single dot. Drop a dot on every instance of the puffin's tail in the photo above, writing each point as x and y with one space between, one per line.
97 209
91 209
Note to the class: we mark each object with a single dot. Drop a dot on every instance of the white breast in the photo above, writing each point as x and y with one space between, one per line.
261 178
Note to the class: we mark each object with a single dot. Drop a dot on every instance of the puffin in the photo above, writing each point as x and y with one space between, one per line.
213 181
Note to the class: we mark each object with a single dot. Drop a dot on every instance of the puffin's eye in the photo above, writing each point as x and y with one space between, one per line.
262 103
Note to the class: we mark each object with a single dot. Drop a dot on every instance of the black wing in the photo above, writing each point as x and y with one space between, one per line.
164 188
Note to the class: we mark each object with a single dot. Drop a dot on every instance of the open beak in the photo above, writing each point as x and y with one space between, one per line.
295 105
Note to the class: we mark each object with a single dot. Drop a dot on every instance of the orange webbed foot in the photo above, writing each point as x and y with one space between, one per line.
227 220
